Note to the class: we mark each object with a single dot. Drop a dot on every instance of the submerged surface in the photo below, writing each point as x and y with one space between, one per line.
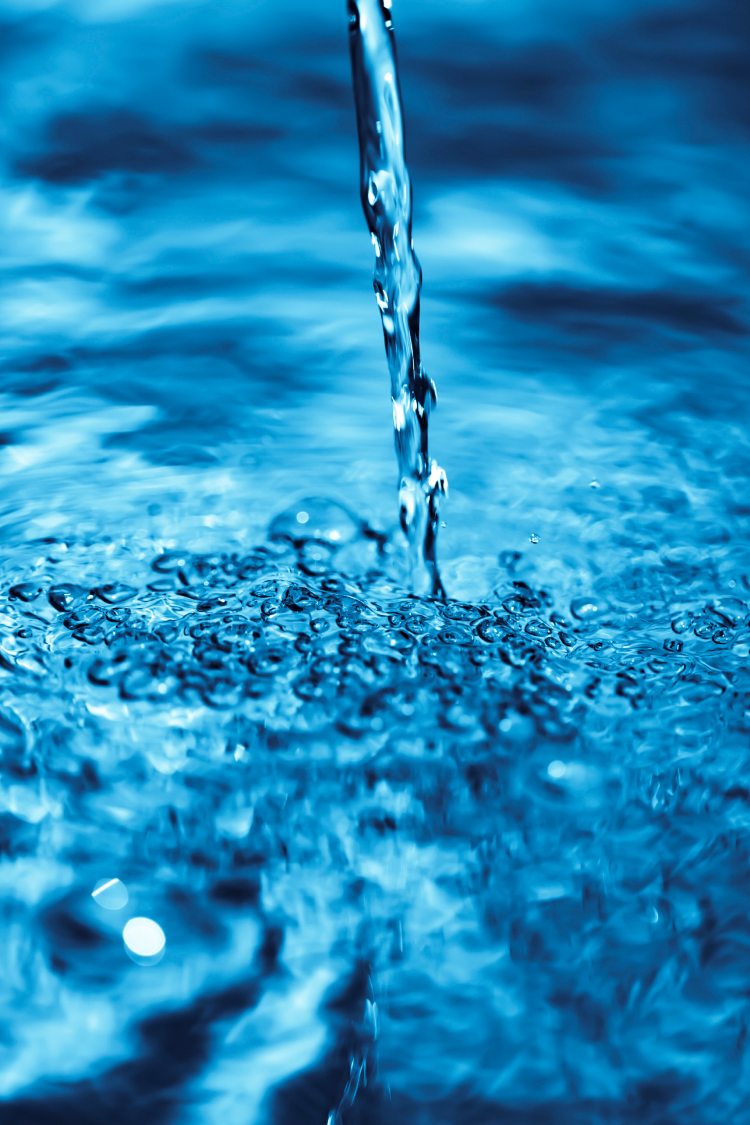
497 849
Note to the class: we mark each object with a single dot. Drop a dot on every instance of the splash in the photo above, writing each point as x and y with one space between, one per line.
386 194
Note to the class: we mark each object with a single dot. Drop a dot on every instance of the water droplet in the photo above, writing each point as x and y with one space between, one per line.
533 538
144 941
111 894
672 646
587 608
302 517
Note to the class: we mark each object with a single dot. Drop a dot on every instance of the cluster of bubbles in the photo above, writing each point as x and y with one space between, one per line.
226 712
283 627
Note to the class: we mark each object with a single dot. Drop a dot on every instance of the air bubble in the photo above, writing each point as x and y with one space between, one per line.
115 593
66 596
588 608
26 591
315 518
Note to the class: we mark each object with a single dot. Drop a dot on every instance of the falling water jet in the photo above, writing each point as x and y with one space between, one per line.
386 194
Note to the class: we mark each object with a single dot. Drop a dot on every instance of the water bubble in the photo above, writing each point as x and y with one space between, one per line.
85 618
705 629
682 623
316 518
299 599
171 560
455 635
556 769
491 631
65 595
115 593
316 556
732 609
267 589
672 646
589 607
520 604
416 623
533 538
145 941
538 629
26 591
458 611
111 894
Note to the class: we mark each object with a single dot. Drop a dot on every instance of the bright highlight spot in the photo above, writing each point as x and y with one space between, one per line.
302 517
556 769
111 894
144 941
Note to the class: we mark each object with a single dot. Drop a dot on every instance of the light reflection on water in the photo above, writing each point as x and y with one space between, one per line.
498 847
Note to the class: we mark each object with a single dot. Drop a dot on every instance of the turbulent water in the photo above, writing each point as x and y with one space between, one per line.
482 859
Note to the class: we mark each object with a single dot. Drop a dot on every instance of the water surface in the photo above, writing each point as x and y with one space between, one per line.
495 849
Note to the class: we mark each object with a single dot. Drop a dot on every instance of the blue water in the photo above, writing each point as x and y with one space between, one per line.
477 861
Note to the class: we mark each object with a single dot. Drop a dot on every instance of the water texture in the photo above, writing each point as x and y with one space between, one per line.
476 860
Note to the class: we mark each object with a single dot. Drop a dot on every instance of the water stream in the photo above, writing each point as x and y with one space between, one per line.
385 189
283 837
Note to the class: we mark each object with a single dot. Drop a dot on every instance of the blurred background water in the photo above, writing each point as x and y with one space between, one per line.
480 862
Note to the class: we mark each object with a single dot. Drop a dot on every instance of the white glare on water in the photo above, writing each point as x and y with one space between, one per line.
144 941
